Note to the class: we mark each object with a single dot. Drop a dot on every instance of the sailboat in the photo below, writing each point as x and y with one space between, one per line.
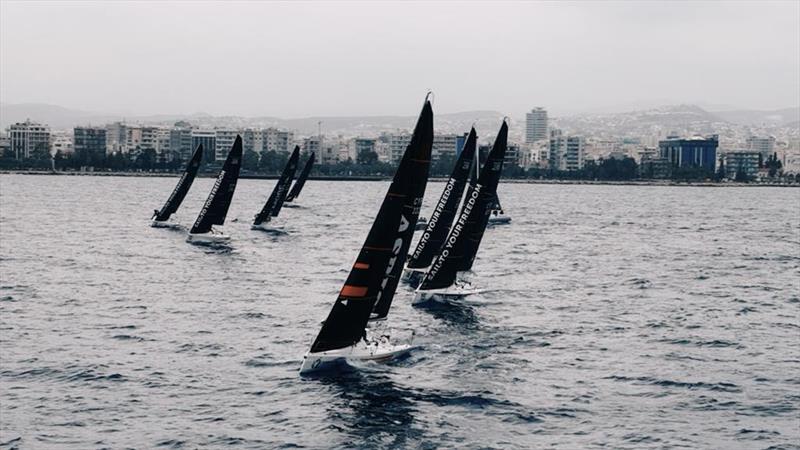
497 215
459 249
160 217
368 292
443 214
301 181
275 201
219 200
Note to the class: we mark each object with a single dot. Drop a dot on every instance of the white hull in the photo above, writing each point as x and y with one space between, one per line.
454 292
163 224
422 223
379 351
499 220
211 237
265 226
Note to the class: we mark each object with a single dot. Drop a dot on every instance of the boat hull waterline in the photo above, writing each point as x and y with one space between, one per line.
454 292
163 224
211 237
378 352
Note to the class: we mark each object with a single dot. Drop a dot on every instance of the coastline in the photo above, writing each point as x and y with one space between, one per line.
388 178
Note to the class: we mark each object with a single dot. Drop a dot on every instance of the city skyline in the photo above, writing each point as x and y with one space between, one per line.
274 62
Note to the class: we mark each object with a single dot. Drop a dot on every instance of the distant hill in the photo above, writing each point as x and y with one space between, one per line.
783 117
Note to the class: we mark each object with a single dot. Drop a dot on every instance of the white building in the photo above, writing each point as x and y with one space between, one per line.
566 152
61 142
28 139
224 143
536 125
763 145
277 140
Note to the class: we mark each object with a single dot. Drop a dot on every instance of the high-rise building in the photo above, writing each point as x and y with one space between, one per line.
536 125
252 141
695 151
29 139
61 142
444 144
566 152
116 138
763 145
89 144
209 140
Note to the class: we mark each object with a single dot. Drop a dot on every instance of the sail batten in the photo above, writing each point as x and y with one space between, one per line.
276 199
184 183
371 284
219 199
462 242
301 180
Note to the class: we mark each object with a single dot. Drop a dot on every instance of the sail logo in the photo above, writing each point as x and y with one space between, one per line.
396 247
210 199
456 231
423 241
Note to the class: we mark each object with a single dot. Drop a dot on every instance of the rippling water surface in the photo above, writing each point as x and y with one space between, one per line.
615 317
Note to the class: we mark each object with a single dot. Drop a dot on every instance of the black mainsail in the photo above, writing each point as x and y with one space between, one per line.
275 201
179 193
373 280
441 219
461 245
301 180
219 200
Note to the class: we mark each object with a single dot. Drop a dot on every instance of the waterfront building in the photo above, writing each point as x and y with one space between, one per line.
224 143
444 145
536 125
29 139
566 152
5 146
277 140
162 143
252 141
363 146
60 142
89 144
741 161
133 138
209 140
180 141
397 143
763 145
692 152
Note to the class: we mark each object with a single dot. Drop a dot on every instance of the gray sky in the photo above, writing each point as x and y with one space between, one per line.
359 58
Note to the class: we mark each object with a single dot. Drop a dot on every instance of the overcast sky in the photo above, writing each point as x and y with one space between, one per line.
341 58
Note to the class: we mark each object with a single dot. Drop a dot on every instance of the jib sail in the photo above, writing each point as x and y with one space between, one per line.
442 217
275 201
461 245
301 180
185 182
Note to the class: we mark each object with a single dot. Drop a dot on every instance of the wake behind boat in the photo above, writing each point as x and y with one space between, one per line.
462 243
301 181
368 292
161 217
498 216
275 201
219 200
436 230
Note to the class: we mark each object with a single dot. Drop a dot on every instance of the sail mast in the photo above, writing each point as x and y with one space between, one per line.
376 272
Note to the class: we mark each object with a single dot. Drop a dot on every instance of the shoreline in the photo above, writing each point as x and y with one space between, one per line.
388 178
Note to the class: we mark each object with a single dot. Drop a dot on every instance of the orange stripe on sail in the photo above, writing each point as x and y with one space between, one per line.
353 291
380 249
360 265
421 160
392 194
